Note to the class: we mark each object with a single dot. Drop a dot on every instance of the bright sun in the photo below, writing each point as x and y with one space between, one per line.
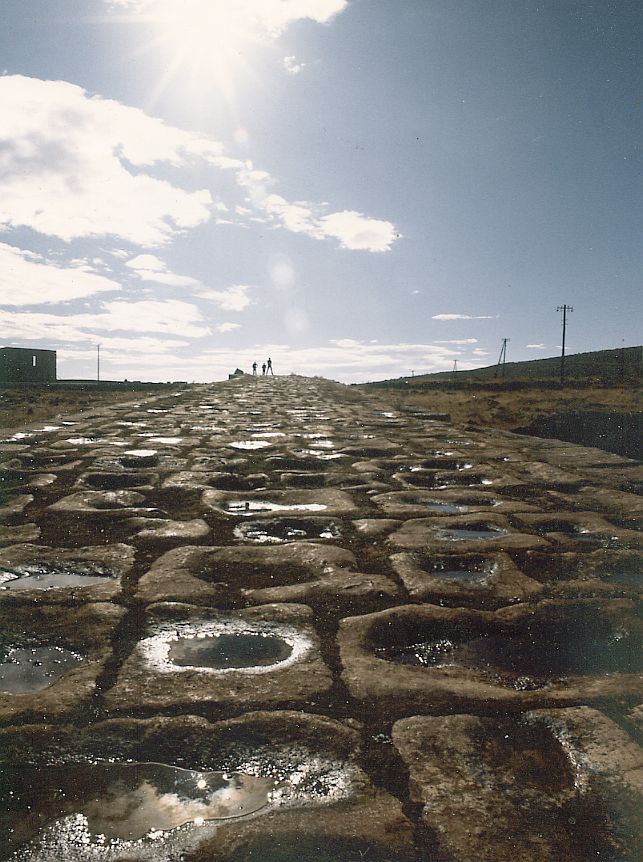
211 39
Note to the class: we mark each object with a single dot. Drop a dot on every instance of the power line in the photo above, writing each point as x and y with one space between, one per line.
564 309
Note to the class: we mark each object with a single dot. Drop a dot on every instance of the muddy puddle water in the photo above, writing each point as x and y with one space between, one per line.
528 662
27 669
87 810
463 535
279 530
230 651
49 576
225 645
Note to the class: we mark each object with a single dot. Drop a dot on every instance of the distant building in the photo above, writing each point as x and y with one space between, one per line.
27 365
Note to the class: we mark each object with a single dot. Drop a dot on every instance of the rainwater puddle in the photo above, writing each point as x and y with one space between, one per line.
445 508
286 530
49 576
28 669
464 576
319 453
526 662
166 441
251 507
464 535
225 645
250 444
230 651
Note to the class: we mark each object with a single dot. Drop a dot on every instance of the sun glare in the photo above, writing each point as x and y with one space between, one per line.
213 40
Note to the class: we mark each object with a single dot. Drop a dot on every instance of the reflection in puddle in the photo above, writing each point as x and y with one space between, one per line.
48 576
465 576
230 651
445 508
526 662
28 669
250 507
250 444
457 535
286 530
223 646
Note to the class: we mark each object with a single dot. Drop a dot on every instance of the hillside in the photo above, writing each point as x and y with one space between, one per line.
612 367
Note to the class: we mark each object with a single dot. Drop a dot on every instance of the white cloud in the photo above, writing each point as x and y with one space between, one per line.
172 317
536 346
354 230
148 267
464 317
233 298
76 166
228 327
293 66
266 19
30 279
73 166
479 352
460 341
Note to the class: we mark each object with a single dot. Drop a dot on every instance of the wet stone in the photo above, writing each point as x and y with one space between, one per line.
552 780
51 658
193 786
301 572
429 657
328 501
36 573
194 656
484 581
466 534
278 530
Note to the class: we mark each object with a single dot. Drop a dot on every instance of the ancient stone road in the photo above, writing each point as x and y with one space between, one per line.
273 619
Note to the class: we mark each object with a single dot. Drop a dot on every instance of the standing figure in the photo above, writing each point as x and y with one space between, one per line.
269 367
263 369
254 368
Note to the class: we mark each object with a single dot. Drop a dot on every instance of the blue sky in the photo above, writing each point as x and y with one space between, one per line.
358 188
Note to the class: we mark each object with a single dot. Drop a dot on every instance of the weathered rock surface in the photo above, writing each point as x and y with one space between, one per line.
484 585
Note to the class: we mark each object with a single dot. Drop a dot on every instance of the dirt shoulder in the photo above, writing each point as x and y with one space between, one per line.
20 406
617 410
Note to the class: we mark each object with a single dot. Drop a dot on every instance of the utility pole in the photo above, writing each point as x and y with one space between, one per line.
98 362
455 368
564 309
502 358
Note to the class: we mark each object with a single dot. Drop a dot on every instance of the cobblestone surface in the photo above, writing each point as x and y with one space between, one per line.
331 631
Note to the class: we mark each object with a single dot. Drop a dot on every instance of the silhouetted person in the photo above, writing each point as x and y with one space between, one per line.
269 367
254 368
263 369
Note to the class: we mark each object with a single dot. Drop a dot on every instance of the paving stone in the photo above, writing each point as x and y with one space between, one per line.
553 625
289 771
476 533
31 574
320 575
263 504
549 785
417 503
159 675
486 581
21 533
428 658
51 657
163 532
